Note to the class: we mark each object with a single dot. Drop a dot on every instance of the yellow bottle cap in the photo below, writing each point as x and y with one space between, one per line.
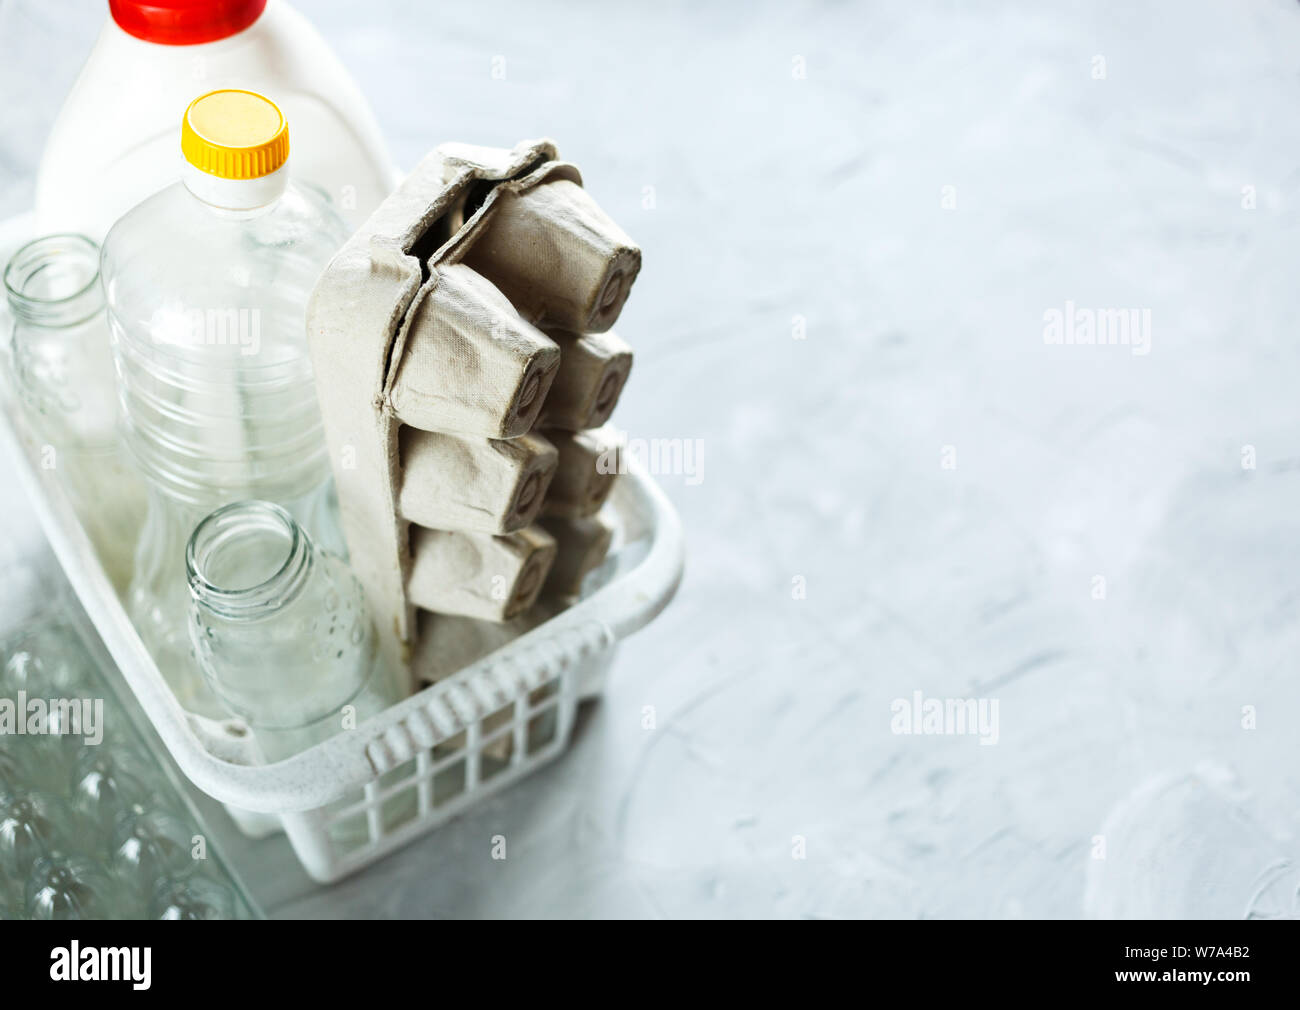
235 134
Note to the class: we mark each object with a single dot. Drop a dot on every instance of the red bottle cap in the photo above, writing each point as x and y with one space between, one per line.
184 22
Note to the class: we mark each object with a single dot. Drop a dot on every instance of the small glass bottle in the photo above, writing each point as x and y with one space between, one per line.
281 630
63 373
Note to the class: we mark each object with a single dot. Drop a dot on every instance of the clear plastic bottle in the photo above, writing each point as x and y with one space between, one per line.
207 285
33 824
70 887
63 374
192 898
96 828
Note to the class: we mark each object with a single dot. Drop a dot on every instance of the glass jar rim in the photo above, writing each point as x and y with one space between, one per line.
271 593
24 259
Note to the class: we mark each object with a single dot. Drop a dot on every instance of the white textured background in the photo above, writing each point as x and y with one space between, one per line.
776 197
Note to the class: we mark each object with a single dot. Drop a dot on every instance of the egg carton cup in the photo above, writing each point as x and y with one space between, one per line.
593 370
476 575
492 485
585 469
440 751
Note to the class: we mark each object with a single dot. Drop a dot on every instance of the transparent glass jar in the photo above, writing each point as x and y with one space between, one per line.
281 629
63 374
284 639
158 598
207 285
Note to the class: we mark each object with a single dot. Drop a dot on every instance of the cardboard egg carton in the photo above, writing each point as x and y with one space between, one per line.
461 347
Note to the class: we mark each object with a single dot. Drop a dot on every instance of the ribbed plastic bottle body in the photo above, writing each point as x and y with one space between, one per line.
208 316
207 309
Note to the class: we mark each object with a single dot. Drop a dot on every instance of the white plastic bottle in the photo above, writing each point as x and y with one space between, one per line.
117 139
207 284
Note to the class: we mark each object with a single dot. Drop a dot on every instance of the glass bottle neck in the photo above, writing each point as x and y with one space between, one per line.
248 560
54 281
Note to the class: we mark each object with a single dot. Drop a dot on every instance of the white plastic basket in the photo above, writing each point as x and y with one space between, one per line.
433 748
